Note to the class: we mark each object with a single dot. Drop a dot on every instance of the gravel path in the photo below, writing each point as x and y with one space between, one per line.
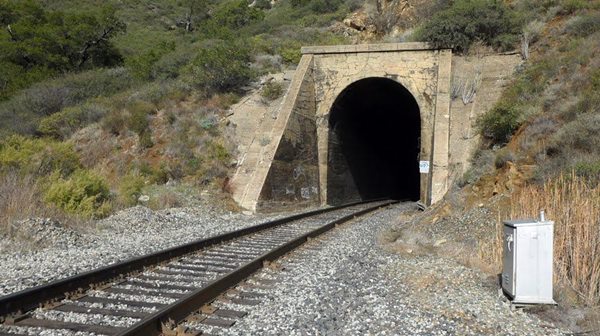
350 285
61 252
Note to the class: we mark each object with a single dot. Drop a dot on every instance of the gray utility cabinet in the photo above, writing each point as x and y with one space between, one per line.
527 261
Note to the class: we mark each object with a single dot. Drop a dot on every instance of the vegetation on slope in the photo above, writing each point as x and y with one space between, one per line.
133 94
542 136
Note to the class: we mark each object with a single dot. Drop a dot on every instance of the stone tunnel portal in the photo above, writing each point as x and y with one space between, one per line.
374 143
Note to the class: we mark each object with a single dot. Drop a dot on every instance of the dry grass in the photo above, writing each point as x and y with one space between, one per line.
489 253
574 206
166 200
21 198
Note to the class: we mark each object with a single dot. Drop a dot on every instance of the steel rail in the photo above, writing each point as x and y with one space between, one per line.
28 299
177 311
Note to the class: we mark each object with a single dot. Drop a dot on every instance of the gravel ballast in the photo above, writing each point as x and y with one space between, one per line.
348 284
60 252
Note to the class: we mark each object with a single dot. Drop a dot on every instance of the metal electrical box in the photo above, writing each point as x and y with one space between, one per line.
527 261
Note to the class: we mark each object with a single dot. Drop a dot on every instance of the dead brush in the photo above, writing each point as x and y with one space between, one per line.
489 251
19 199
574 205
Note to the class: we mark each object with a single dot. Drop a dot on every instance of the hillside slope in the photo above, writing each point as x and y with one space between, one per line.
539 151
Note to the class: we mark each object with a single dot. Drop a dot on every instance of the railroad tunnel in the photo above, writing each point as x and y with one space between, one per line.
374 143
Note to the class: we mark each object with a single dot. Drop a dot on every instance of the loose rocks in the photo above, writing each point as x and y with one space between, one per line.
348 285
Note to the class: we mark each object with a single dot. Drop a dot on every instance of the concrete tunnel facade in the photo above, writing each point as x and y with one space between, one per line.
411 143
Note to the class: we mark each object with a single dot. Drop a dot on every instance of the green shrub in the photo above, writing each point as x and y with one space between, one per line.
235 14
299 3
571 6
158 175
161 175
170 64
115 122
217 151
220 67
501 122
83 193
262 4
138 119
22 113
143 65
482 162
589 170
583 26
324 6
146 139
290 53
580 135
466 21
37 157
272 90
225 100
130 189
63 124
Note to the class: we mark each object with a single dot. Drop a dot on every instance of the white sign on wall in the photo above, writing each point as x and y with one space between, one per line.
423 167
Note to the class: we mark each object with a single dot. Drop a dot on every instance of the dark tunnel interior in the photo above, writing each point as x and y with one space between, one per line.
374 143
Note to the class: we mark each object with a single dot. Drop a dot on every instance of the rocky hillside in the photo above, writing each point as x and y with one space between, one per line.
539 151
124 103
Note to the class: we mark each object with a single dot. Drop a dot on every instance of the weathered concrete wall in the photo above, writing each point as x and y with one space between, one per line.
487 75
293 178
248 182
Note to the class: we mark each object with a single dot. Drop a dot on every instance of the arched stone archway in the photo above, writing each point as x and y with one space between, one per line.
373 143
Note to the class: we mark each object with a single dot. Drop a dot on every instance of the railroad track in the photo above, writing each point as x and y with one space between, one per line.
150 295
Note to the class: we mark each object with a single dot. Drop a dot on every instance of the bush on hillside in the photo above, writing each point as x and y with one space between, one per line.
501 122
272 90
580 135
262 4
170 64
589 170
571 6
467 21
130 189
115 122
220 67
324 6
63 124
37 157
138 119
83 193
143 65
582 26
22 113
235 14
145 139
299 3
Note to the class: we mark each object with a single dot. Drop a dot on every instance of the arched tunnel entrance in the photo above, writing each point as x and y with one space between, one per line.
374 143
